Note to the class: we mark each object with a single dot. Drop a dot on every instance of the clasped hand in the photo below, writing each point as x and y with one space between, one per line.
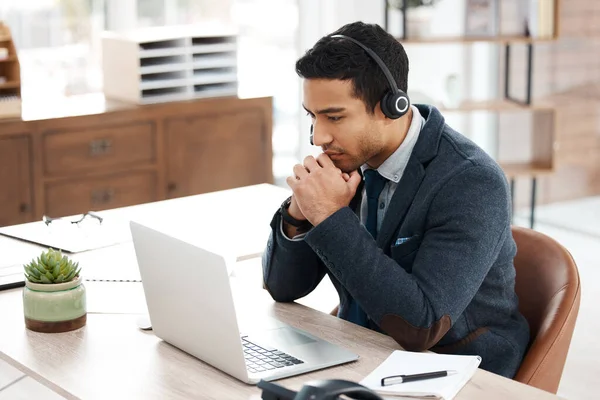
320 188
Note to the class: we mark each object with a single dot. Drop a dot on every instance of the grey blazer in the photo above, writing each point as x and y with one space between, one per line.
449 288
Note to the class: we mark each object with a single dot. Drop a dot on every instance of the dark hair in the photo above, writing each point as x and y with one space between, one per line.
339 58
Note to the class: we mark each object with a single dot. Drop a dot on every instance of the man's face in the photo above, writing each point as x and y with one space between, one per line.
342 126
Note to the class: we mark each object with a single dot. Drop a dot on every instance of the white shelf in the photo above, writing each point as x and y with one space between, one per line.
155 69
214 48
150 99
164 80
208 76
218 60
167 64
178 51
216 92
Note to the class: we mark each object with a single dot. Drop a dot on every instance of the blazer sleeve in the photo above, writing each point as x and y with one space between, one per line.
291 269
466 226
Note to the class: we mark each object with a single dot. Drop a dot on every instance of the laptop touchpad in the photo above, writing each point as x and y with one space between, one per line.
284 336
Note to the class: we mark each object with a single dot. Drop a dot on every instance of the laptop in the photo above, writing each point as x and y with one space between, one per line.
191 306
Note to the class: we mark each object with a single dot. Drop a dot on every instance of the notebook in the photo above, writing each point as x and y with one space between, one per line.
404 362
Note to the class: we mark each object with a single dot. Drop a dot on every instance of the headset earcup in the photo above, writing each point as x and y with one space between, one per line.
385 108
395 105
401 103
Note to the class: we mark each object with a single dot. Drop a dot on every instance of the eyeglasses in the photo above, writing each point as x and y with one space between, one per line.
94 218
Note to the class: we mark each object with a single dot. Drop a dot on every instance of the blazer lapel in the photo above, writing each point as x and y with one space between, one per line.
424 151
401 200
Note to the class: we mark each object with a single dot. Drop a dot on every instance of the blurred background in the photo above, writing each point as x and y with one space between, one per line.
519 77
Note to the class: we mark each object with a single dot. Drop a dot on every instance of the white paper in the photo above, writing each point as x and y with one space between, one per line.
72 238
403 362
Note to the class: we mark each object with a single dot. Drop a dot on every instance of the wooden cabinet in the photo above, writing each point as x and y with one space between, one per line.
88 149
15 180
212 153
124 154
101 193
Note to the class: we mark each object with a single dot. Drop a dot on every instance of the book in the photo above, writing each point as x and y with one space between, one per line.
481 18
404 362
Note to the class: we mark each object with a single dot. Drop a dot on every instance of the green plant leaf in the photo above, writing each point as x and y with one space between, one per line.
33 271
40 268
71 273
44 279
33 279
49 276
70 276
56 271
59 279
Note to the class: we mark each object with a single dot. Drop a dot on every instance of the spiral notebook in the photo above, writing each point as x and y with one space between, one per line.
404 362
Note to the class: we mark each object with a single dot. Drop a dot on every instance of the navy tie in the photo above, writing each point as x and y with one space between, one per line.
374 184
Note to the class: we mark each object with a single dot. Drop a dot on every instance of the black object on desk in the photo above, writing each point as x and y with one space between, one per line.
11 276
12 281
330 389
393 380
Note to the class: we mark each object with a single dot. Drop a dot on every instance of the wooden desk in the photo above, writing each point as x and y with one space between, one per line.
112 358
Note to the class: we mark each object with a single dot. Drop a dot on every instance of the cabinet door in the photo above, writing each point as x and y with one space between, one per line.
206 154
15 181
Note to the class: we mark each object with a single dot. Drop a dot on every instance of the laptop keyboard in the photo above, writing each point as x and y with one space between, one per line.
259 359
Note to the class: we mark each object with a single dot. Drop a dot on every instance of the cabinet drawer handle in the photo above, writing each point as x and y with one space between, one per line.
103 196
23 208
100 147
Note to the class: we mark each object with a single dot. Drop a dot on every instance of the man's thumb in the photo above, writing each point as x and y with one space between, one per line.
354 180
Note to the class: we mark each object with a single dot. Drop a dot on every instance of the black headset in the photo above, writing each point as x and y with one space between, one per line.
394 103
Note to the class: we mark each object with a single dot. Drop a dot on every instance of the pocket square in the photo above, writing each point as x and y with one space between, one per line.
400 241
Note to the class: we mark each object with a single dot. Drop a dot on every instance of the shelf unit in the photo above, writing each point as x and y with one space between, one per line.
543 142
163 64
10 76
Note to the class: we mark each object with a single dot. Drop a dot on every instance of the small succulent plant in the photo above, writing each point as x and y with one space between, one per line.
51 267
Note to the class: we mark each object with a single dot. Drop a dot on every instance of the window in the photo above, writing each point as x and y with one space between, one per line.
58 44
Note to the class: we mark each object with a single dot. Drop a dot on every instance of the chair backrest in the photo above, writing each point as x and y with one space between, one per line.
548 286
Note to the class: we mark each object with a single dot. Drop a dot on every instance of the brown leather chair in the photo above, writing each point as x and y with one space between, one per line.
549 291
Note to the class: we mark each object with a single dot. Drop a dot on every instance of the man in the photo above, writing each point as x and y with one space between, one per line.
410 220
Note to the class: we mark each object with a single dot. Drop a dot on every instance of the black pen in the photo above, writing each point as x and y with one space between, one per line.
392 380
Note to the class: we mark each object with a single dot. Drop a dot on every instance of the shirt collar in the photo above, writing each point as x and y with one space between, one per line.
393 167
